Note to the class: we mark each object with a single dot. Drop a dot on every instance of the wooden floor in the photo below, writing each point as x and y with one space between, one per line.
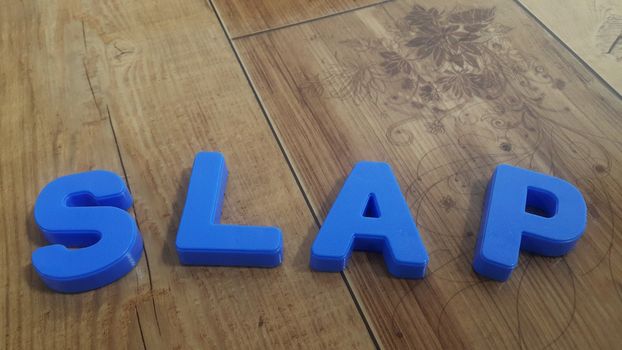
294 93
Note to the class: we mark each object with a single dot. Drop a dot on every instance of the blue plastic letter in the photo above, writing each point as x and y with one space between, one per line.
86 211
201 240
370 214
526 210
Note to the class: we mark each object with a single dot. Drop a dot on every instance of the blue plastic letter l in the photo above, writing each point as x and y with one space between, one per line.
201 240
370 214
86 211
526 210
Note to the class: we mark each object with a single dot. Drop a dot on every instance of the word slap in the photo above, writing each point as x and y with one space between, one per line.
95 241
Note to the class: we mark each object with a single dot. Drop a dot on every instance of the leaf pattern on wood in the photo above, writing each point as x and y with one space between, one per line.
421 17
352 79
394 63
477 16
454 79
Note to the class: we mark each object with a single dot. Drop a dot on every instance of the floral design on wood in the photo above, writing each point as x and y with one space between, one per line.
454 77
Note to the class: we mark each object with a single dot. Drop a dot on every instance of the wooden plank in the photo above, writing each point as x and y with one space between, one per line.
173 87
377 85
244 17
50 126
592 29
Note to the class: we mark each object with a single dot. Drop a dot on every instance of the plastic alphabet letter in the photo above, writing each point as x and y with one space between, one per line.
201 240
370 214
529 211
86 211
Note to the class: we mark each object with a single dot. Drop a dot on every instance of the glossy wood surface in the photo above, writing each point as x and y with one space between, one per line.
294 94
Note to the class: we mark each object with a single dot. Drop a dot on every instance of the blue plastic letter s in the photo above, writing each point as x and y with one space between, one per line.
201 240
370 214
86 211
526 210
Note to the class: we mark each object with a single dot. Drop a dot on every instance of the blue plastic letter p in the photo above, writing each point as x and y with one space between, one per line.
526 210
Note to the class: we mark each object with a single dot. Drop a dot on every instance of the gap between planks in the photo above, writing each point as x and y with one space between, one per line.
570 50
118 148
263 31
277 138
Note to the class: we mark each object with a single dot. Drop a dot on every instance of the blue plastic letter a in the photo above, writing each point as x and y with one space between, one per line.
529 211
370 214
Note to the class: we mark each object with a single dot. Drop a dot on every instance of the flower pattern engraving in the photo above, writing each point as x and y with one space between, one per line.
454 77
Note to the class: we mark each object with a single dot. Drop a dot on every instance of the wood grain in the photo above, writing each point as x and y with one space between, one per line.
173 87
50 125
592 29
161 79
244 17
444 91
